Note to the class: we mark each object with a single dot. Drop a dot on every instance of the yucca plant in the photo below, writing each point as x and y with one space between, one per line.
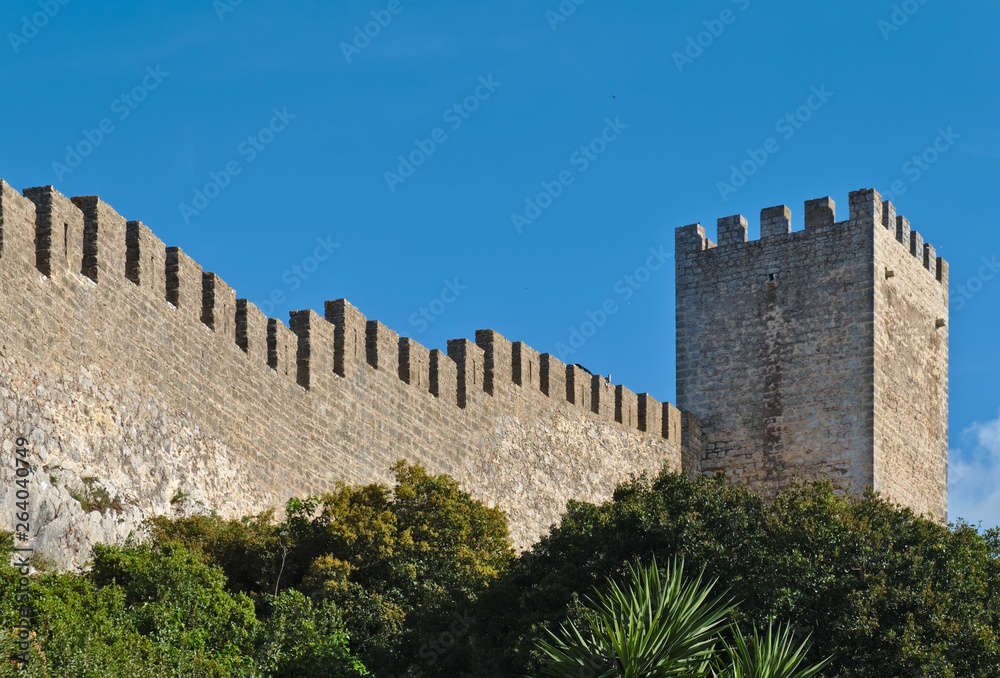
774 655
660 626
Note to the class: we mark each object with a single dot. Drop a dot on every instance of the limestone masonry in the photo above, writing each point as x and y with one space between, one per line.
143 386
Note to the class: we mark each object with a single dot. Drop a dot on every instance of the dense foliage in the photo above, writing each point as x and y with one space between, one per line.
886 593
663 624
404 565
159 610
420 580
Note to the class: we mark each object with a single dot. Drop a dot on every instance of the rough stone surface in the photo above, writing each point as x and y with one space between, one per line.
146 382
817 353
139 384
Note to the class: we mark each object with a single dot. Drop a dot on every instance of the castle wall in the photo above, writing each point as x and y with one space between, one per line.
911 367
133 372
819 353
772 337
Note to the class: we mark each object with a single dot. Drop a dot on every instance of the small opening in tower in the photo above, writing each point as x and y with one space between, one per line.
66 240
772 276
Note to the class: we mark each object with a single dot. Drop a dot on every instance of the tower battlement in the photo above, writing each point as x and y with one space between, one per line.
866 206
820 352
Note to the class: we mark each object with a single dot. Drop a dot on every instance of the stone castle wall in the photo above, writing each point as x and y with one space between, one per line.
142 382
802 359
911 366
134 374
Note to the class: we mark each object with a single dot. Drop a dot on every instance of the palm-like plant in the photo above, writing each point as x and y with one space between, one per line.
772 656
660 626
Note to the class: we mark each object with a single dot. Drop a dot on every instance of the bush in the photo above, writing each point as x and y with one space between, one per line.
143 613
303 640
160 610
885 592
399 563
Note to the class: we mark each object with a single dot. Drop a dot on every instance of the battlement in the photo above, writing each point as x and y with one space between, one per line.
85 236
129 363
866 208
819 352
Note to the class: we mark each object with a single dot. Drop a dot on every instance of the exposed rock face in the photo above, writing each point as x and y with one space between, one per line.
144 387
139 385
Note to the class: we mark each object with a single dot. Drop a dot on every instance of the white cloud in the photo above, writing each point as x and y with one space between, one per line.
974 476
989 436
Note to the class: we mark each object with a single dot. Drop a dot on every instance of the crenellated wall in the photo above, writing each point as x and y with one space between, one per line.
818 353
911 364
144 386
137 376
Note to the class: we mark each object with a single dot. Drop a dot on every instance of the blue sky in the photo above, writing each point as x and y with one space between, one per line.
303 160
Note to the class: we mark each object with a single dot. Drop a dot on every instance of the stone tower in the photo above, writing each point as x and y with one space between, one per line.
820 353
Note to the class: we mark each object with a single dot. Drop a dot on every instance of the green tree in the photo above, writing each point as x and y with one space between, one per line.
249 550
172 596
143 613
883 591
399 563
303 640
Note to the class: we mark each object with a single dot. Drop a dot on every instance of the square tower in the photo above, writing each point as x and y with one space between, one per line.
820 353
